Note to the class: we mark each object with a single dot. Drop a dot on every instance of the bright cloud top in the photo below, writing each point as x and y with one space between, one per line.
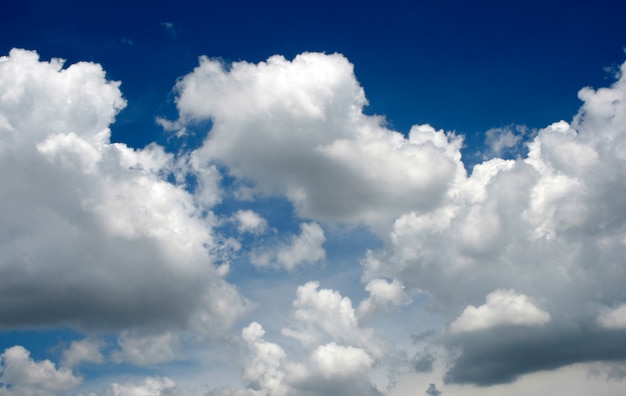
503 307
297 128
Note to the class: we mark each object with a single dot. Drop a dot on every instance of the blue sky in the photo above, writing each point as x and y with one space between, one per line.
284 198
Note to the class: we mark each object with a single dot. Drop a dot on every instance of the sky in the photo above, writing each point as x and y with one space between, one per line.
301 199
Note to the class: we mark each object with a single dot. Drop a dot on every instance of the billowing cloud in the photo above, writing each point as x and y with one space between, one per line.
20 375
503 307
297 128
324 315
548 225
94 235
522 258
329 369
383 296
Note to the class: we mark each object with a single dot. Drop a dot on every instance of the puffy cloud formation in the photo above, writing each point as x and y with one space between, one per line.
329 369
20 375
93 234
549 226
383 296
336 355
297 128
250 221
324 315
305 248
503 307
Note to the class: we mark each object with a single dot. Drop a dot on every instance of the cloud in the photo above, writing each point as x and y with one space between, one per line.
250 221
94 235
305 248
506 140
614 318
23 376
151 386
297 128
99 236
503 307
332 359
145 350
383 295
86 350
324 315
548 225
329 369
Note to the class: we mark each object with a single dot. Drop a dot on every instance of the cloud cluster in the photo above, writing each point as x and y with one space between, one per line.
94 236
549 226
523 258
20 375
541 238
338 353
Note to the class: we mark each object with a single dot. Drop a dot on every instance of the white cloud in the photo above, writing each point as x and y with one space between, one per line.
22 376
151 386
94 235
297 128
338 360
383 296
266 370
305 248
503 307
324 315
614 318
145 350
549 225
250 221
329 369
86 350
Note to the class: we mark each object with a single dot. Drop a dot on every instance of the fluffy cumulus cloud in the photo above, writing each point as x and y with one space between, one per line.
94 236
503 307
383 296
20 375
522 258
335 355
297 128
324 315
250 221
327 369
548 225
